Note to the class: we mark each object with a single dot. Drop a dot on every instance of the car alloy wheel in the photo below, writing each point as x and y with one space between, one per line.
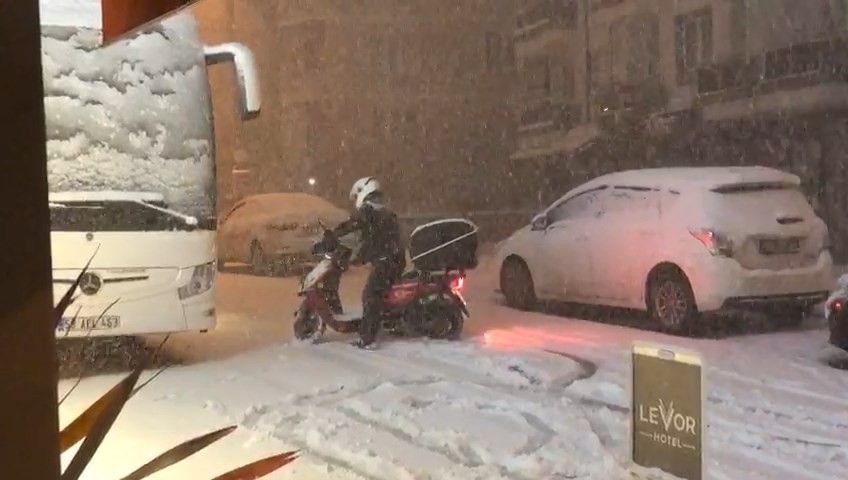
671 301
671 304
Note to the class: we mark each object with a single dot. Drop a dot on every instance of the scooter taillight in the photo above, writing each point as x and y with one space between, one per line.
457 283
837 306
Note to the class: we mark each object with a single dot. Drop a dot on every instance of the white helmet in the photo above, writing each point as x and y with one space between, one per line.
362 188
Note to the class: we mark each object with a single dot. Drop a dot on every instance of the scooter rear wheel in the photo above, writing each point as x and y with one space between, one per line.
308 327
445 322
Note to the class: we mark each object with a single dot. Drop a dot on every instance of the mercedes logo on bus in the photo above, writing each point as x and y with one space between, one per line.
90 283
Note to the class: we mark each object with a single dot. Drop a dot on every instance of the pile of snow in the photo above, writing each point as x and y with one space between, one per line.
135 116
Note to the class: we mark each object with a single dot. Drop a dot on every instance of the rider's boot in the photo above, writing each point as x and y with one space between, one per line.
363 345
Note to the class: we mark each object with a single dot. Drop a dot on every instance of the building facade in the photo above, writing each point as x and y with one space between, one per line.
415 92
614 84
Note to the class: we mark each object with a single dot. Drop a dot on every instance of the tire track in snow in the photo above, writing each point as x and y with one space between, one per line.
782 390
327 408
804 432
462 456
477 378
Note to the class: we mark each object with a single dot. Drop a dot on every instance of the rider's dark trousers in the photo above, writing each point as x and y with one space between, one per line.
384 273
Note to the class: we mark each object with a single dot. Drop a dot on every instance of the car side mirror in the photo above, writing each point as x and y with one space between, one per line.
539 223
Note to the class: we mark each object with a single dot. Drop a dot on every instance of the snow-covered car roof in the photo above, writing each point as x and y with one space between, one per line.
106 196
272 207
700 178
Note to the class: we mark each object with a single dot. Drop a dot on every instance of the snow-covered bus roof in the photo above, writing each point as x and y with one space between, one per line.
71 13
106 196
700 178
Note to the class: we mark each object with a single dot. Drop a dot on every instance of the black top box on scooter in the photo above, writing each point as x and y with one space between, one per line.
444 245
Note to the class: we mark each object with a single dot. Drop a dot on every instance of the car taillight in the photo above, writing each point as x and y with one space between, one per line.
716 243
457 283
202 279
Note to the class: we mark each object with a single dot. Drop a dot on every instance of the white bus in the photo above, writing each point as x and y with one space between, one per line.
131 171
152 269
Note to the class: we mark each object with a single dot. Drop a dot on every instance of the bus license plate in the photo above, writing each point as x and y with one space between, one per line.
84 324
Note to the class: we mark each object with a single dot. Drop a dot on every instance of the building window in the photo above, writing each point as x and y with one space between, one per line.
389 51
538 75
500 52
641 47
601 4
494 51
313 45
739 27
567 12
693 42
311 141
567 84
509 55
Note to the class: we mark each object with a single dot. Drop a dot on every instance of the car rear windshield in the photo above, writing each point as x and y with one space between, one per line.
112 217
750 187
756 198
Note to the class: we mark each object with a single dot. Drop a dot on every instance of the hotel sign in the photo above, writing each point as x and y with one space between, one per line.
667 411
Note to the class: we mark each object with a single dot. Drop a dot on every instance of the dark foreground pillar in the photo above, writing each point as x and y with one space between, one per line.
28 412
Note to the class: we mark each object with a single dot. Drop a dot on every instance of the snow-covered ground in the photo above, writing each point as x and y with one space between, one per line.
495 406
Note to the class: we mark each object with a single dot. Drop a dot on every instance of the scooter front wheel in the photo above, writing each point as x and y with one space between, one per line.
308 326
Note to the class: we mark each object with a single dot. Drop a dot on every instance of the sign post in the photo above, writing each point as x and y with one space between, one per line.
667 430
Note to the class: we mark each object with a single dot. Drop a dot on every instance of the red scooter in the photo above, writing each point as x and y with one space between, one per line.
421 303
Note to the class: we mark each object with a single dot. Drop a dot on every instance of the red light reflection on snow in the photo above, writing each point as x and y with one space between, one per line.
518 338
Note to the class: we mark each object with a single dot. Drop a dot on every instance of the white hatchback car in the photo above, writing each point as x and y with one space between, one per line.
674 242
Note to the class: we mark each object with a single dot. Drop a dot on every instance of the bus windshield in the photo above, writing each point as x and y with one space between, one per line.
116 216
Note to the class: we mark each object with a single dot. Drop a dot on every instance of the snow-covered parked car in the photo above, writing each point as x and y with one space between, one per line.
836 312
674 242
152 269
274 231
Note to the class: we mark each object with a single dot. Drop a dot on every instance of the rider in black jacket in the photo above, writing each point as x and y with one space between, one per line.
380 246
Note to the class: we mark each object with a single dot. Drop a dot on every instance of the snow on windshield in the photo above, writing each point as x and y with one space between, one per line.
118 118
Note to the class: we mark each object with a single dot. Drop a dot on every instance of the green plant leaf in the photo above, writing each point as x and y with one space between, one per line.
82 425
149 360
179 453
79 428
68 297
116 398
260 468
88 334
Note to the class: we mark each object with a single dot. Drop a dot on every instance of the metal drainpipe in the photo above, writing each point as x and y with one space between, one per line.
247 76
588 59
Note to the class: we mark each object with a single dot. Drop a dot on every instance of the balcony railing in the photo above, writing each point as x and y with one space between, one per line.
641 97
798 66
602 4
545 15
549 114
